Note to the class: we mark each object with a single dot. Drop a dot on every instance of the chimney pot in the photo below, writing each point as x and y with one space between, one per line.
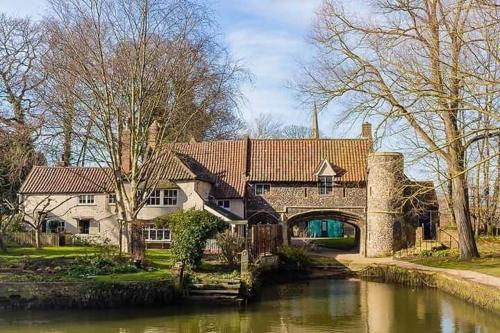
366 130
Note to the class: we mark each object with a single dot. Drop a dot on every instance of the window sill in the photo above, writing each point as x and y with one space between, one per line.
157 241
86 205
161 206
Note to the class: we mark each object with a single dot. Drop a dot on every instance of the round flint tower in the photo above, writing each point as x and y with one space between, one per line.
384 216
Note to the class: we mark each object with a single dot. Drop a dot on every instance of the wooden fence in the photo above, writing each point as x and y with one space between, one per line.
29 239
266 239
212 247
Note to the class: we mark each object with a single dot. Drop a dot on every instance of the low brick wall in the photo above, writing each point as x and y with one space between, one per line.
57 295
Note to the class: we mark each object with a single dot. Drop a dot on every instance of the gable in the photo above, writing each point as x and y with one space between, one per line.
325 169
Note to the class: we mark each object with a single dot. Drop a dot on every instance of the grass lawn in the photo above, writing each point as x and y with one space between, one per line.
348 243
52 264
15 254
489 263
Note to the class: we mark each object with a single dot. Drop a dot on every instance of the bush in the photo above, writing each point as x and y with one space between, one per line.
190 231
294 256
230 245
101 265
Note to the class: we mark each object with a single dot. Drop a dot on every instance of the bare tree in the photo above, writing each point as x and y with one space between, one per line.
41 211
295 132
21 44
134 65
415 63
203 80
264 126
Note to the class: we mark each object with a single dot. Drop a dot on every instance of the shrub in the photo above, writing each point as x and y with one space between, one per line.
190 231
294 256
230 245
101 265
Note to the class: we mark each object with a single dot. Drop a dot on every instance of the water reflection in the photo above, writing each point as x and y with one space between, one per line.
318 306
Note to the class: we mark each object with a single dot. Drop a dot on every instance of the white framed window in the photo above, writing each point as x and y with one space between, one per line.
53 226
226 204
152 233
325 185
111 198
84 227
86 199
154 198
170 197
261 189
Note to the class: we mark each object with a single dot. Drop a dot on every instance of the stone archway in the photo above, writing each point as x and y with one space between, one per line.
355 220
262 217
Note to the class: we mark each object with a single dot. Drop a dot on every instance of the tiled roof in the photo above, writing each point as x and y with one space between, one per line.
44 179
223 163
297 159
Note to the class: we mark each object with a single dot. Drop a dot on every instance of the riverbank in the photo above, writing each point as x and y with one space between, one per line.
79 295
89 277
474 287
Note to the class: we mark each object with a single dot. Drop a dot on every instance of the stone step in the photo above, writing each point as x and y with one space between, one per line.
220 299
226 292
216 286
330 268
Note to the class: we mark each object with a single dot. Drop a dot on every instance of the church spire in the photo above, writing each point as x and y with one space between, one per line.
314 123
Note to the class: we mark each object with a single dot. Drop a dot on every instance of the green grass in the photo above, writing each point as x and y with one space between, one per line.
159 266
348 243
15 254
487 265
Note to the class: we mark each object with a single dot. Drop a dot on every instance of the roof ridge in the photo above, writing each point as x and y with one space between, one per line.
310 139
69 167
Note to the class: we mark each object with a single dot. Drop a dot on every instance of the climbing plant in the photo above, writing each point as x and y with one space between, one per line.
190 231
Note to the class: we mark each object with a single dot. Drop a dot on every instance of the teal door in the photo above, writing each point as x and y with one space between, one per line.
325 228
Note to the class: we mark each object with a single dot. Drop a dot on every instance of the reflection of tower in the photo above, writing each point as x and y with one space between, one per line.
384 218
380 311
314 123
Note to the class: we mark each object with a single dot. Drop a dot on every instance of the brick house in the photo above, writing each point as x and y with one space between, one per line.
297 182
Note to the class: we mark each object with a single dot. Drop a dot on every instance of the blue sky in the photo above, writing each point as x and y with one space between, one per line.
270 39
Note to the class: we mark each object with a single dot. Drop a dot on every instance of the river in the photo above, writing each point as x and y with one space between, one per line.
317 306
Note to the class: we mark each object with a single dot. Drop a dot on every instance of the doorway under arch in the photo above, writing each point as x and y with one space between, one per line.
328 224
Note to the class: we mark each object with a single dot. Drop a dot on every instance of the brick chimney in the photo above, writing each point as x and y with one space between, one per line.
366 130
126 159
153 135
62 162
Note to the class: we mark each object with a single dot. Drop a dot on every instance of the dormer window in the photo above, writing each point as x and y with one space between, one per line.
325 185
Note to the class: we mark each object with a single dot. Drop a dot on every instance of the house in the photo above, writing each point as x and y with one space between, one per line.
314 187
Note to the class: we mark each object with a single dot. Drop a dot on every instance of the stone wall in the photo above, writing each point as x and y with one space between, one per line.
388 228
64 295
289 197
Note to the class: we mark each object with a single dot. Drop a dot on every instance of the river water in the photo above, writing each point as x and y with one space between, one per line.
317 306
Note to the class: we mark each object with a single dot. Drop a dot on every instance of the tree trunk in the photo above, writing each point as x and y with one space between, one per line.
467 243
3 247
38 242
137 244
